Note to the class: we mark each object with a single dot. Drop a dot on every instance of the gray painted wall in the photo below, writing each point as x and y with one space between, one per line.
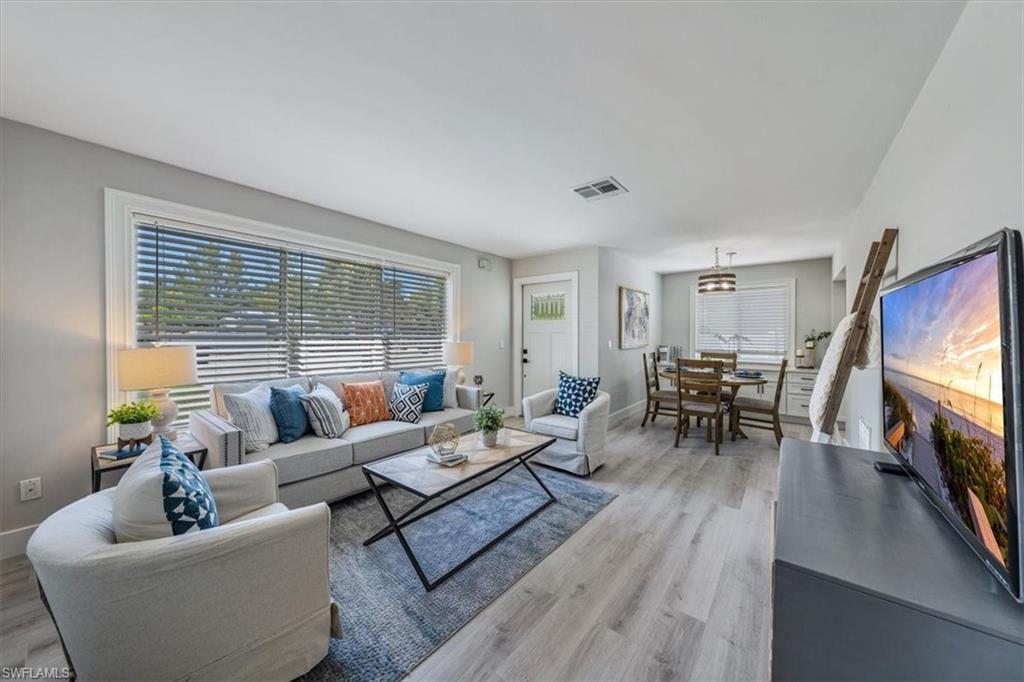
622 372
954 173
813 297
52 337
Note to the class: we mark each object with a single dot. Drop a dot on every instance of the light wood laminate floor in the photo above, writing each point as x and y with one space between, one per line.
670 581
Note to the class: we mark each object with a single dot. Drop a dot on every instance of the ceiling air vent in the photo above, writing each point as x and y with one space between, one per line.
600 189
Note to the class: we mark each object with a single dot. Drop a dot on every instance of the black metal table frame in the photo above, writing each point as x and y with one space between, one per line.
396 524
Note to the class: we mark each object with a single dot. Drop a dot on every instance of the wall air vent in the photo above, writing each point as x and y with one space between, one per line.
600 189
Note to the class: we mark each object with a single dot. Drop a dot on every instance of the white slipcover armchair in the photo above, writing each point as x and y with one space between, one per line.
247 600
580 444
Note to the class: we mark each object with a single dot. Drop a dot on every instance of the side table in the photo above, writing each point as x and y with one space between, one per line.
185 442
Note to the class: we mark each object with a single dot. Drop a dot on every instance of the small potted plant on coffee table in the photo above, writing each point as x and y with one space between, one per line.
488 420
134 420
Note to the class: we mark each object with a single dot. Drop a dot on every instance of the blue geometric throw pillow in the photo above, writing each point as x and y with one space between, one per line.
575 393
161 495
188 500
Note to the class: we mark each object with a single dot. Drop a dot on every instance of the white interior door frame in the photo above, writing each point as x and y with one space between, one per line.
518 283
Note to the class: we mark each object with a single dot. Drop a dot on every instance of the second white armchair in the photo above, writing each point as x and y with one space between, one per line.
580 448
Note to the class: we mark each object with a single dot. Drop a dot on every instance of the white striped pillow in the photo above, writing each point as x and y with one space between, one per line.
326 414
250 411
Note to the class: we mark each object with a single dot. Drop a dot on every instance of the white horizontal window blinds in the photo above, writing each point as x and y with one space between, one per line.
223 296
258 311
753 322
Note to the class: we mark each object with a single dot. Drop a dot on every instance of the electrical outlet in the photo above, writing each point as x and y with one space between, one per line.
609 344
501 344
31 489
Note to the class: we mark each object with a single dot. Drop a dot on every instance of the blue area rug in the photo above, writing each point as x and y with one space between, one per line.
390 621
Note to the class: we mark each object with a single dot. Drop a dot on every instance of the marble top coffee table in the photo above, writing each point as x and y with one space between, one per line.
412 472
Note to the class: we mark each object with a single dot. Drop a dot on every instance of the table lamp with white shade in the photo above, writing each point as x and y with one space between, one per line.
157 369
458 354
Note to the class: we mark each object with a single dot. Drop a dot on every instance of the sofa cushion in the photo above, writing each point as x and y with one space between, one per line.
434 400
289 415
162 494
574 393
269 510
251 413
461 418
557 425
407 402
334 381
218 391
327 416
307 457
365 402
382 439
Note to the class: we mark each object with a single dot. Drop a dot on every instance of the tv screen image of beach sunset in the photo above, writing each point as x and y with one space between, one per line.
942 390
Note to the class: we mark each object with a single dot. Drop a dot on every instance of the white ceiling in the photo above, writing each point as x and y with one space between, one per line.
753 126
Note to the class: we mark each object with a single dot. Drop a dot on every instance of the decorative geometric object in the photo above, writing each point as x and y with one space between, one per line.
444 439
634 318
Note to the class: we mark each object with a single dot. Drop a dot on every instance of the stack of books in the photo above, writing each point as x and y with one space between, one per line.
447 460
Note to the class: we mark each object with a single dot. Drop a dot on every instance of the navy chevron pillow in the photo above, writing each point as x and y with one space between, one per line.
575 393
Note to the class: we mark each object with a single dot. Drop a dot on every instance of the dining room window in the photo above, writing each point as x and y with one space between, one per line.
755 321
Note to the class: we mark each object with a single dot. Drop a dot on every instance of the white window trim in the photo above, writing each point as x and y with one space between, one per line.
120 210
790 285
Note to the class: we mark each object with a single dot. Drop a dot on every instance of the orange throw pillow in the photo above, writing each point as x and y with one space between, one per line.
366 402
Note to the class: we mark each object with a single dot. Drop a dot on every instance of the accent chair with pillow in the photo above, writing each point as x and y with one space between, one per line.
315 468
576 414
233 587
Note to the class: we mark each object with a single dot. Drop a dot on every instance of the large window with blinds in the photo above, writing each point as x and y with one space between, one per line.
256 310
755 322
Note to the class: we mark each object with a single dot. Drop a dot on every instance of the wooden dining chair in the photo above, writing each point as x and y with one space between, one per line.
664 402
699 388
729 360
741 406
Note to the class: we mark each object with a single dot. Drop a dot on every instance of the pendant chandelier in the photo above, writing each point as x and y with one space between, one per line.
717 281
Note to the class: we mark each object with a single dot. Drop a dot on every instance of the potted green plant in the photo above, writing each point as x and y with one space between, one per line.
488 420
812 337
134 420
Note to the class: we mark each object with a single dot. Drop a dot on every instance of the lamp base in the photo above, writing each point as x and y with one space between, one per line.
168 413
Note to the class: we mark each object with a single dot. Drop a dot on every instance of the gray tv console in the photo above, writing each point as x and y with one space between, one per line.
871 582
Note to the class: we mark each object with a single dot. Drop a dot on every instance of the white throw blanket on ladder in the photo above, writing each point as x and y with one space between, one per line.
868 355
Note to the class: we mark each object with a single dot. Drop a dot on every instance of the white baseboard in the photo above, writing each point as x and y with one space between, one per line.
13 542
619 416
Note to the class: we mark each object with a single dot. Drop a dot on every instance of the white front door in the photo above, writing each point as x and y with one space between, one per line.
549 313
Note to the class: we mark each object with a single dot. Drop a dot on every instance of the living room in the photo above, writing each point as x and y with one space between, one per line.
507 340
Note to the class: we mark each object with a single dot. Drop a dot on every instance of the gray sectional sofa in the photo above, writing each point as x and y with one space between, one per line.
315 469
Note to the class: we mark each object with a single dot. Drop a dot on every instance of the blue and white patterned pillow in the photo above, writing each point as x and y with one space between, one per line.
575 393
162 494
407 402
188 500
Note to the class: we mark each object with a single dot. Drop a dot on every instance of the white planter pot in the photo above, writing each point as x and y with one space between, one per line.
809 344
489 438
134 431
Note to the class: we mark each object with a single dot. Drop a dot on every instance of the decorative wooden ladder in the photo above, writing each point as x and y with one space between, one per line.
867 292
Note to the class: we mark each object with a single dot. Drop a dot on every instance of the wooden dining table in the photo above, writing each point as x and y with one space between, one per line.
734 383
